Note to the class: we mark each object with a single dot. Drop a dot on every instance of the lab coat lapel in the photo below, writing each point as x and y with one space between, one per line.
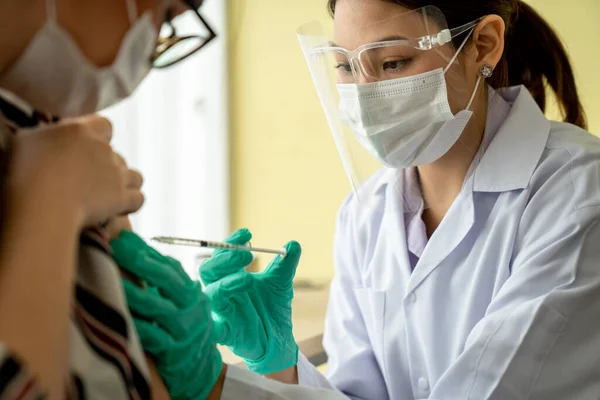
399 201
451 232
509 111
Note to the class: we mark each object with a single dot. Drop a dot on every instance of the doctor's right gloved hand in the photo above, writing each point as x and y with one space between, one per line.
256 322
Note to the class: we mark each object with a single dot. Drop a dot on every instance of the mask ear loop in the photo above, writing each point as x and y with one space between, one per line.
479 76
51 10
484 72
474 93
131 11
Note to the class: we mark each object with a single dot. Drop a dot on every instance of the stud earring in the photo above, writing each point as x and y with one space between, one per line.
486 71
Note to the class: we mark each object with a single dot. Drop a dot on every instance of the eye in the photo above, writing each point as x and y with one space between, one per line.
395 66
344 68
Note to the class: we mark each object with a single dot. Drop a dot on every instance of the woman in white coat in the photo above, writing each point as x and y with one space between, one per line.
469 268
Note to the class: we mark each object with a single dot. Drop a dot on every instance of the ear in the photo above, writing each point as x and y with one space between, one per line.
488 40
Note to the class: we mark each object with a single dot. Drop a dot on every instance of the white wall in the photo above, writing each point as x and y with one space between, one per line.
174 130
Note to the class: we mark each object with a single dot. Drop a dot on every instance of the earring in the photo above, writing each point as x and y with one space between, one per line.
486 71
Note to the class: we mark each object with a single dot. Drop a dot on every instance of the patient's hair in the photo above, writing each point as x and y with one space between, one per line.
533 56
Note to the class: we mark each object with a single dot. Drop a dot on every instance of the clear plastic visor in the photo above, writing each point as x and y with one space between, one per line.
372 58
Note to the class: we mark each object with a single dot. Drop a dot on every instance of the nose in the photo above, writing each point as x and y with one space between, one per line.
362 78
359 74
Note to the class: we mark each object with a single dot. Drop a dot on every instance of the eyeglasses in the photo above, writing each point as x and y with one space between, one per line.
173 47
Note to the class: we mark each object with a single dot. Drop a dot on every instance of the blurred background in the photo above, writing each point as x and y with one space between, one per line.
235 137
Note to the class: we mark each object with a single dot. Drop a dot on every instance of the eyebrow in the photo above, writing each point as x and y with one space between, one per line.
385 39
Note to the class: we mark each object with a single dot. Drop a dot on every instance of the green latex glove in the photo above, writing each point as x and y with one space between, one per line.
173 319
256 322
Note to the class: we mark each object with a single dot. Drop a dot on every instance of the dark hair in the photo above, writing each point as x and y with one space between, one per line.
533 55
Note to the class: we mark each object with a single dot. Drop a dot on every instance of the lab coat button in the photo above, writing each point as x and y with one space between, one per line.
412 298
423 384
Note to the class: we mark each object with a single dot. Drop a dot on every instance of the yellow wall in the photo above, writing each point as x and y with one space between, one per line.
577 23
287 180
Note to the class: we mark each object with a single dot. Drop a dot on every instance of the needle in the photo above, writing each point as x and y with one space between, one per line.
213 245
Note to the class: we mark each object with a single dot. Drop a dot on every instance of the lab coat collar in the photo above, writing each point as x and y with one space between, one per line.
515 150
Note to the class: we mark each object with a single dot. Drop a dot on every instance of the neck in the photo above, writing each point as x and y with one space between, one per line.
442 180
20 20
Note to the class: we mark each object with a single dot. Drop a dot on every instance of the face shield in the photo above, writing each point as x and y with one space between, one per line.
386 87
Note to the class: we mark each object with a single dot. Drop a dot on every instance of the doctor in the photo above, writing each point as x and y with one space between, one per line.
469 268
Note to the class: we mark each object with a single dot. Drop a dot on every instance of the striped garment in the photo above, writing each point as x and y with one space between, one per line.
106 358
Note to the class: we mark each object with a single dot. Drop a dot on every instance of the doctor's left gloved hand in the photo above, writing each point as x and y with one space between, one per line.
173 319
254 322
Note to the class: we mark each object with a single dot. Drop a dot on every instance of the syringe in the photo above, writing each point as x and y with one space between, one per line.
214 245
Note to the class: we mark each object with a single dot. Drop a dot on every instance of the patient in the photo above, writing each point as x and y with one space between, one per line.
65 328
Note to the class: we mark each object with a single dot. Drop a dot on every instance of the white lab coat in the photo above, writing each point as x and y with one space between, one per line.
243 384
503 304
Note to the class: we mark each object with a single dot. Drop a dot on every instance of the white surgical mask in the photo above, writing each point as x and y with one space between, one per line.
53 75
404 122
